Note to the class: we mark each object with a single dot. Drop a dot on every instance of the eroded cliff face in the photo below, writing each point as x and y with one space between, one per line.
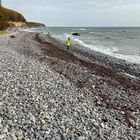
18 24
26 24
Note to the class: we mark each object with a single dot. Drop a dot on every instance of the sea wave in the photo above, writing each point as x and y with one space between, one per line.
107 37
97 48
92 32
81 29
131 37
112 52
96 34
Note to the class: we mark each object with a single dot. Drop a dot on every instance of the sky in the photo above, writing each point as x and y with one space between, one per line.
93 13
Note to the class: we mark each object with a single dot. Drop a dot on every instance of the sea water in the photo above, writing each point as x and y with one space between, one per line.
119 42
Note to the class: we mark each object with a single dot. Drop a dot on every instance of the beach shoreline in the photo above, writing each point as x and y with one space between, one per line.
87 60
87 81
119 65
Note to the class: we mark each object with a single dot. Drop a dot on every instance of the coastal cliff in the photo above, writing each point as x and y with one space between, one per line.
11 18
11 15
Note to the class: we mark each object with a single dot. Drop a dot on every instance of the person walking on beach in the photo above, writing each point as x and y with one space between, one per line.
68 43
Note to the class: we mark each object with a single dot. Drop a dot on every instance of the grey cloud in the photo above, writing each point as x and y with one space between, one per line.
79 12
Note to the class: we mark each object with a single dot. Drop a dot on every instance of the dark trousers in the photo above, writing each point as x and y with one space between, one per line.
68 47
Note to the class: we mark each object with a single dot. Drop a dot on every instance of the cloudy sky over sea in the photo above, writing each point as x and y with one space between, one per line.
79 12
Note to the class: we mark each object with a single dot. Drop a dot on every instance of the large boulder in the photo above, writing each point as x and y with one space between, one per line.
76 34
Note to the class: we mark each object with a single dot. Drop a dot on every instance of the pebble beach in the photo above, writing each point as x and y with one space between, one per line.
49 93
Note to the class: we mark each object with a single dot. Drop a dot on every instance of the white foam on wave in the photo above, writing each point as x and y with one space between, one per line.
130 58
92 32
110 51
81 29
34 30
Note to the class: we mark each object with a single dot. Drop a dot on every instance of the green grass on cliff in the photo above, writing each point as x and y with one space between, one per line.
3 32
7 15
10 15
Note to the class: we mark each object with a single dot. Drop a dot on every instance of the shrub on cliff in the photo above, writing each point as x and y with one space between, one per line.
4 25
35 24
11 15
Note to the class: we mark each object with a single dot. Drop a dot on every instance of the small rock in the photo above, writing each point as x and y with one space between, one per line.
1 137
102 125
13 136
81 138
1 123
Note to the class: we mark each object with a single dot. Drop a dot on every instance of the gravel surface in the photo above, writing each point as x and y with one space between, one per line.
44 96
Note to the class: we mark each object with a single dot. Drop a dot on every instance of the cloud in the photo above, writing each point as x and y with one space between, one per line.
79 12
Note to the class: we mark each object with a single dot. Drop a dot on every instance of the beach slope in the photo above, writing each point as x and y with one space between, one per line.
47 92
